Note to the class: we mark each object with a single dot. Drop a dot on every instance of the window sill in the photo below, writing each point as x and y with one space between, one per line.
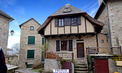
30 58
31 44
64 52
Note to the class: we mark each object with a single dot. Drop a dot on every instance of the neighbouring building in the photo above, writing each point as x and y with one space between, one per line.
12 57
114 10
30 44
73 34
5 19
115 20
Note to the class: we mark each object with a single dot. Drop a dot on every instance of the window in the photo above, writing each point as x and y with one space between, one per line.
74 21
70 45
30 54
31 28
102 41
57 45
63 45
61 22
67 21
31 39
43 41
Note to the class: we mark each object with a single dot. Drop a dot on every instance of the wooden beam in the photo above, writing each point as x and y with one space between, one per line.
85 26
50 27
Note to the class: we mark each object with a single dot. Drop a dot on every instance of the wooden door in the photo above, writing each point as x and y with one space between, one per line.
101 66
68 65
80 50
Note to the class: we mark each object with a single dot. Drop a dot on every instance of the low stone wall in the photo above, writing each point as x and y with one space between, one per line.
50 64
112 66
119 69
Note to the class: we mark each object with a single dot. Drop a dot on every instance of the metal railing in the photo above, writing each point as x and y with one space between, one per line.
104 50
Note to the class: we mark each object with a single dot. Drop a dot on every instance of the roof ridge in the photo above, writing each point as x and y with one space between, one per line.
67 9
27 21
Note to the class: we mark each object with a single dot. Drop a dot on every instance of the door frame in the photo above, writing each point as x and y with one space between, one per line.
77 49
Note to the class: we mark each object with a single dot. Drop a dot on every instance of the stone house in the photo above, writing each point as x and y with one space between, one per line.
12 58
71 34
115 20
114 10
30 43
5 19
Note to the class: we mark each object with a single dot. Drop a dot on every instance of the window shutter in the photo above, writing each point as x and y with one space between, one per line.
43 41
56 22
79 20
30 54
57 45
70 45
31 39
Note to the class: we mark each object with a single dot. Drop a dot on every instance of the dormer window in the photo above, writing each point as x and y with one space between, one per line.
67 21
31 27
61 22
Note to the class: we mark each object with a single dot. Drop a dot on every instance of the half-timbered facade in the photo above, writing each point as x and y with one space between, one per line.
69 31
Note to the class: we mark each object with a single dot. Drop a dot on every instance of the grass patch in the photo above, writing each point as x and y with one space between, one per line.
36 70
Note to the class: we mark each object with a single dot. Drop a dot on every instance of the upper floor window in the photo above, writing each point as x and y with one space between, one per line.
67 21
31 39
74 21
31 27
61 22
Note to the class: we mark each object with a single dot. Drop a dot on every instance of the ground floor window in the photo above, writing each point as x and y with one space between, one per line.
64 45
30 54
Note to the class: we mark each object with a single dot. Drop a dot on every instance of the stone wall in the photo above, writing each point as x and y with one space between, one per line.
88 40
4 30
115 17
51 64
25 32
12 60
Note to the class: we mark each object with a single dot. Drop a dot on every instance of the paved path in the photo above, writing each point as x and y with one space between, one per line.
25 71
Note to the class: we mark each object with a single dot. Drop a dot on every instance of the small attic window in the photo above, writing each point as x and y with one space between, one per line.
31 27
102 41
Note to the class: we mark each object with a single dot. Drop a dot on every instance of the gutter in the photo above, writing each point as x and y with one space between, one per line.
108 22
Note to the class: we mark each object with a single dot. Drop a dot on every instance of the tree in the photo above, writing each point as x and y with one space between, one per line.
16 47
44 48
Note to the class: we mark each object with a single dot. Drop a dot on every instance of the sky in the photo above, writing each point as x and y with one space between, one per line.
23 10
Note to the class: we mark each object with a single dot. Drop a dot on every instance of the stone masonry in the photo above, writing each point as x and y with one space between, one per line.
4 30
24 46
115 17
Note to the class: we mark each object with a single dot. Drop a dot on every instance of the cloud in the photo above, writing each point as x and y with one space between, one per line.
6 3
15 22
14 39
93 11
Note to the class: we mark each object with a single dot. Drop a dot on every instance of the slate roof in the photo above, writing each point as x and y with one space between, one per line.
6 15
28 21
68 10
